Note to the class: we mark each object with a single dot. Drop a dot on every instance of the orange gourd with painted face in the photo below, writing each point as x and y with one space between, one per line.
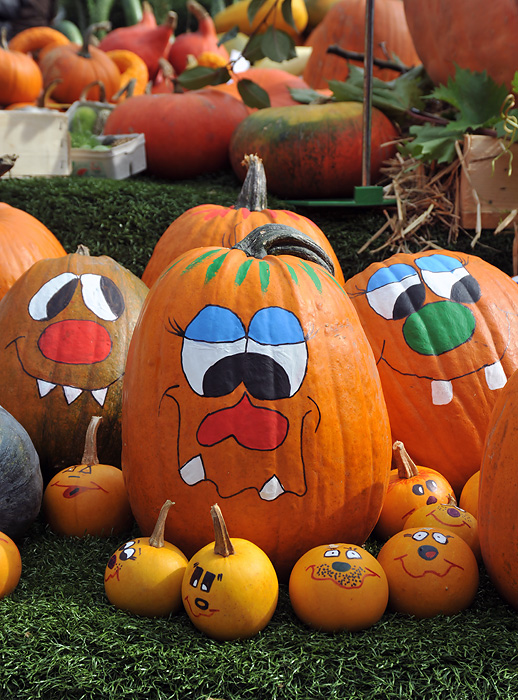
410 487
430 572
253 383
65 326
10 565
338 587
443 327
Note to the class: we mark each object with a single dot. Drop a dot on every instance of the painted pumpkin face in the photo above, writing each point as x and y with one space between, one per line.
451 517
430 571
66 325
443 329
338 586
254 388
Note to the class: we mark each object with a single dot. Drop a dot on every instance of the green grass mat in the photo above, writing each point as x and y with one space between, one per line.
60 639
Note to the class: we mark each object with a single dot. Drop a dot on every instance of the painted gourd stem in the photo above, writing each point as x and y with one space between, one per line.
406 467
156 539
253 194
222 543
278 239
90 451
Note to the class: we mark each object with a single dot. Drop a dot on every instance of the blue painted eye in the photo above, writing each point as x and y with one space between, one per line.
275 326
447 277
395 291
215 324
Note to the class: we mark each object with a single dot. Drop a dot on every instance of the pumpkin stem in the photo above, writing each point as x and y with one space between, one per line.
253 195
452 501
278 239
222 543
82 250
156 538
90 452
84 51
406 467
95 83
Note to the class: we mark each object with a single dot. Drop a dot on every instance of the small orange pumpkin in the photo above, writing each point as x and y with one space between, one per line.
88 498
338 587
144 576
430 572
469 495
22 80
230 588
131 67
10 565
410 487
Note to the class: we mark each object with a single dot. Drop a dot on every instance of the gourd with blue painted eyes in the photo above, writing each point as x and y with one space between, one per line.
338 587
410 487
443 328
430 571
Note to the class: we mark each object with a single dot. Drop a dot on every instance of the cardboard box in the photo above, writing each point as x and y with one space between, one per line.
39 139
127 157
485 177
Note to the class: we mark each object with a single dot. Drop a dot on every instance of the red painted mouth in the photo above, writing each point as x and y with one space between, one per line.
428 571
251 426
198 613
75 342
73 490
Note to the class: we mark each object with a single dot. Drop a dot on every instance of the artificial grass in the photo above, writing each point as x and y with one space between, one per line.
60 637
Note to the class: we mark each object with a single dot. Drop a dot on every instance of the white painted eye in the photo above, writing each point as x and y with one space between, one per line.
127 553
352 554
447 277
395 291
419 536
332 553
102 296
53 296
440 538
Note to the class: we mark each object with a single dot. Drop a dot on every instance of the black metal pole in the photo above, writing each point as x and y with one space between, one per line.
367 92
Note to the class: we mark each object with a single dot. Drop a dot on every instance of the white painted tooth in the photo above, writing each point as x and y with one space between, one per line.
193 471
71 393
100 395
442 392
495 376
44 387
272 489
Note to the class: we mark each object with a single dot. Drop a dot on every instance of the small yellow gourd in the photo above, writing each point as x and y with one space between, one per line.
236 15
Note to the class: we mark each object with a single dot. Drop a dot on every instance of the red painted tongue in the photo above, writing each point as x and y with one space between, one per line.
251 426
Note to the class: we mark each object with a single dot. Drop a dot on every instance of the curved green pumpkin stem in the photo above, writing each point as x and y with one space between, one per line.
279 239
156 539
222 543
90 451
84 51
253 194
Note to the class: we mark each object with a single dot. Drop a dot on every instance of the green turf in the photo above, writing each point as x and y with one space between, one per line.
60 639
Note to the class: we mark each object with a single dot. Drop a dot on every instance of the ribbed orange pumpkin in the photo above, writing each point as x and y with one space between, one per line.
470 33
249 381
23 240
498 495
213 224
344 25
77 67
21 77
443 329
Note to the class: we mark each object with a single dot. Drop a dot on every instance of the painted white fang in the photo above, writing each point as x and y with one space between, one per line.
71 393
100 395
495 376
44 387
442 392
272 489
193 471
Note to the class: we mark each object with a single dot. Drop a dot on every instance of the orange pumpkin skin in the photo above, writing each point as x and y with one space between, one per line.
23 240
430 572
344 25
469 495
21 77
436 34
275 81
497 523
338 587
442 328
87 499
10 565
304 455
450 517
312 151
54 390
213 224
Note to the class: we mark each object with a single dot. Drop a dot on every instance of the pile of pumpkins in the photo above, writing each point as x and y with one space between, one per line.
276 388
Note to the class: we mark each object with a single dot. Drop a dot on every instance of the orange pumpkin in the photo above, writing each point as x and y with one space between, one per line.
455 33
430 572
144 576
343 25
498 493
78 67
21 77
442 327
229 588
338 587
252 380
131 67
65 326
23 240
469 495
33 39
10 565
88 498
410 487
213 224
276 82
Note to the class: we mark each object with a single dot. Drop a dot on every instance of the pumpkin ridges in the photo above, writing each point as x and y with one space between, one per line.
21 76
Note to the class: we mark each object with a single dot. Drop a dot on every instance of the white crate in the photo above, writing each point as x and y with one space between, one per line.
39 139
121 161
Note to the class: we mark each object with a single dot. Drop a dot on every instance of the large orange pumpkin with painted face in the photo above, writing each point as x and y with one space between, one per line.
250 383
443 327
65 326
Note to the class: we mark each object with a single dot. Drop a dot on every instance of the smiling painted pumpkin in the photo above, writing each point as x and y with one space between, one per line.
65 326
443 327
249 380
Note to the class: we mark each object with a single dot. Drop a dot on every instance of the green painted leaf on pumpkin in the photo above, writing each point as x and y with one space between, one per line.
214 267
242 271
313 275
264 274
200 259
292 272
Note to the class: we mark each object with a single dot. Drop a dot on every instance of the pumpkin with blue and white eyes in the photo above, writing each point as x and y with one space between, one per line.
443 328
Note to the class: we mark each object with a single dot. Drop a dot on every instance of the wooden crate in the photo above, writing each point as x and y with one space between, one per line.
39 139
487 181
